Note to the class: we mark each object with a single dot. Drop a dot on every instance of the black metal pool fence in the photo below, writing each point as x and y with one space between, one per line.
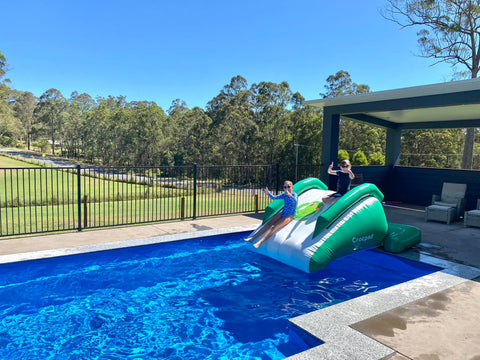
41 200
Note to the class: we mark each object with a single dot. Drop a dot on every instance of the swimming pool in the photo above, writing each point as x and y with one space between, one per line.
207 298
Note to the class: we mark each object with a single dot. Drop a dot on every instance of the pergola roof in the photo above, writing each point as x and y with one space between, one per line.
453 104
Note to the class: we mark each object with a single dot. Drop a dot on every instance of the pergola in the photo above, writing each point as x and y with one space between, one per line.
453 104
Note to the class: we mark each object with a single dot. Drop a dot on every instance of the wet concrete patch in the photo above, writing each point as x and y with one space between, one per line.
444 325
201 227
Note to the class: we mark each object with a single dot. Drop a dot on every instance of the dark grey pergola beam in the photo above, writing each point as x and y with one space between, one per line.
447 124
411 103
406 103
373 120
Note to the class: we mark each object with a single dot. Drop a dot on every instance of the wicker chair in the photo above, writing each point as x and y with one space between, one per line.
472 217
449 206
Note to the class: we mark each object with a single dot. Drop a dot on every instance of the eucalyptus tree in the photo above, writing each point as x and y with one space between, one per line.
4 88
148 121
306 130
24 107
9 124
116 121
271 104
51 112
193 143
432 148
178 107
341 84
77 111
100 134
233 126
172 153
355 135
235 93
449 32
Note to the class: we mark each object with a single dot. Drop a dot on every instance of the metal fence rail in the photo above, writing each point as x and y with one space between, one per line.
40 200
34 200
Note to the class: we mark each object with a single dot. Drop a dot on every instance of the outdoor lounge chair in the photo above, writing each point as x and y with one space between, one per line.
472 217
449 206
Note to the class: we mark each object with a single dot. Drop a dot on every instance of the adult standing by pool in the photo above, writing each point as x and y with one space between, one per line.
289 210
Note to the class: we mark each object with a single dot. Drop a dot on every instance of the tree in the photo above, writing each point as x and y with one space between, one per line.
73 133
354 135
233 126
192 142
450 33
171 153
148 122
443 143
270 107
178 107
376 159
9 125
341 84
24 107
306 129
343 155
50 110
359 158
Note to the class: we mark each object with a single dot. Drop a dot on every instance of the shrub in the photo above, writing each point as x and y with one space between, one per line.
376 159
8 141
343 155
359 158
42 144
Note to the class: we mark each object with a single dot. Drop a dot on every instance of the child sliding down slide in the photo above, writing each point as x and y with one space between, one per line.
279 220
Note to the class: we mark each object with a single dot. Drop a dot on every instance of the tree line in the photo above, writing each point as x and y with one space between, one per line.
250 124
262 123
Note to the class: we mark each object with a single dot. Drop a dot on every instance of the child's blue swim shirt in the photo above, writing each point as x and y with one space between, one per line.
290 203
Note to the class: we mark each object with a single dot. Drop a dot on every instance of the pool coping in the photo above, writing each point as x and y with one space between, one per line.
332 325
75 250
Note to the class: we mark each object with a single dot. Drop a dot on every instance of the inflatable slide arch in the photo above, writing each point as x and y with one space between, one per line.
322 233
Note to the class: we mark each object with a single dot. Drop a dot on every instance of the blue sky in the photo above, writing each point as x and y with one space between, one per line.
159 50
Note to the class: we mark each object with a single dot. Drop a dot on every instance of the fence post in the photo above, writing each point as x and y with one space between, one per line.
182 208
194 191
256 203
85 211
79 198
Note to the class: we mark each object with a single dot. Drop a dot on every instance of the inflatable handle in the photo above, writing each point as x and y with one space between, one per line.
346 201
299 188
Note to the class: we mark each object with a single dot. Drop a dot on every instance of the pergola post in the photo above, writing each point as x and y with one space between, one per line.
331 126
392 149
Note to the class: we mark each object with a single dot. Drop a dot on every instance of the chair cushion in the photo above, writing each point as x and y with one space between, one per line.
440 213
439 207
443 203
452 191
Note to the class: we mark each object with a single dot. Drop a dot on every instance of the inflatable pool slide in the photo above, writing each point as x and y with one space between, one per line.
322 233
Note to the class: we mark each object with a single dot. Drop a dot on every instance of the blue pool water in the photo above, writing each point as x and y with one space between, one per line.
208 298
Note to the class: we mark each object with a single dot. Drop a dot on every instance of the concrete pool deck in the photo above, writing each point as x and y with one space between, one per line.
433 317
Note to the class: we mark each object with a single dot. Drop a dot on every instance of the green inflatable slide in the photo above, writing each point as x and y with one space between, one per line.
322 233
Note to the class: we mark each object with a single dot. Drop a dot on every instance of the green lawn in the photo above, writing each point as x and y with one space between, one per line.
47 186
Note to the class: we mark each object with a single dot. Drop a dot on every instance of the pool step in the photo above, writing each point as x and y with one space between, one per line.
298 341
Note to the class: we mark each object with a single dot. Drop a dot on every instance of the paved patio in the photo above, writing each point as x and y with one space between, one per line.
440 325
